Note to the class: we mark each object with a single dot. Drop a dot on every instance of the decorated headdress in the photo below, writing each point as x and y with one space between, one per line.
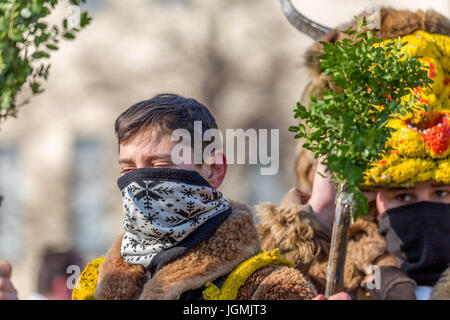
394 23
419 149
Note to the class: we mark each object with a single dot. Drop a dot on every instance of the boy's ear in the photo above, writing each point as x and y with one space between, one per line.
215 168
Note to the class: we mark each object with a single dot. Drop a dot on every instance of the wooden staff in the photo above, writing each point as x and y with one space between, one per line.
339 241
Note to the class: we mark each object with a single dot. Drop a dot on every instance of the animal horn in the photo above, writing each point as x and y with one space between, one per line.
302 23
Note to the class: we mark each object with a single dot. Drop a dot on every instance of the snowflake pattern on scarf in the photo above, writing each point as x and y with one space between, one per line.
160 214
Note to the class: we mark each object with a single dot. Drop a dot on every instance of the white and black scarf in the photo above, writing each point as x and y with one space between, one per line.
163 207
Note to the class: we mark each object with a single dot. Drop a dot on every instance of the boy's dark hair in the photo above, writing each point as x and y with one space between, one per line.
166 112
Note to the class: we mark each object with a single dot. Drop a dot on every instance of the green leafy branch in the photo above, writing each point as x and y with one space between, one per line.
347 125
25 39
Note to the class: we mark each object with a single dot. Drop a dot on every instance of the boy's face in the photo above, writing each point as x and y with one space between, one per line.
150 149
390 198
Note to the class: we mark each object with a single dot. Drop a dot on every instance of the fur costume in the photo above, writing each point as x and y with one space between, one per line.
304 239
236 240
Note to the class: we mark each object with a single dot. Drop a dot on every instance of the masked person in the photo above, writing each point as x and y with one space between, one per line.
406 233
183 239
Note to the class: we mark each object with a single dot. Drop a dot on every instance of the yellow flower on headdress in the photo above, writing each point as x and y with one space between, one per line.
420 146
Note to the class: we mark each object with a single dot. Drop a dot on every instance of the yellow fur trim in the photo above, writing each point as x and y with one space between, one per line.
420 146
239 275
87 282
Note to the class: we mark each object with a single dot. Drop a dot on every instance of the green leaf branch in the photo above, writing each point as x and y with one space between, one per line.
25 41
347 125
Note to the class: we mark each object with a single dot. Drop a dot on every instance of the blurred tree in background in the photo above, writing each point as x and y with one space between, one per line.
25 39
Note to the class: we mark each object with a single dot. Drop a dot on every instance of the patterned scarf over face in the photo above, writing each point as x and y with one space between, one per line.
162 207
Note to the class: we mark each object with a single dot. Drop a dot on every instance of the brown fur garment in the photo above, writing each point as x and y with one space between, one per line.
293 234
286 229
118 280
285 284
233 242
441 290
302 238
252 283
277 283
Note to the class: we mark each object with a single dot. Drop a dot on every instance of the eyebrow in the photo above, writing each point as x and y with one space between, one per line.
439 185
125 161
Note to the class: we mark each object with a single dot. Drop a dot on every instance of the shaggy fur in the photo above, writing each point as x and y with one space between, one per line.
300 236
284 284
292 233
441 291
252 283
277 283
118 280
234 241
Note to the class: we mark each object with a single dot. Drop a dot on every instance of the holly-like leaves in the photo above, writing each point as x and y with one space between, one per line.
25 42
347 125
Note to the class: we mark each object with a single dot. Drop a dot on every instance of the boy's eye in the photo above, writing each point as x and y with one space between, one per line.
441 194
404 197
125 170
161 164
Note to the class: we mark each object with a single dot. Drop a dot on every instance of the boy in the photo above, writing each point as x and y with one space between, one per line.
183 239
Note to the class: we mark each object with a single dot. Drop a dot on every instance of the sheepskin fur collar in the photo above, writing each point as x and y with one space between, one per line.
303 239
234 241
441 290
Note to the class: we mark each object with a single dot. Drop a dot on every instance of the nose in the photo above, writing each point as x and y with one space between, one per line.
423 197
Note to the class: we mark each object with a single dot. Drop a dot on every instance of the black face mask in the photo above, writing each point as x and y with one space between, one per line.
419 236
